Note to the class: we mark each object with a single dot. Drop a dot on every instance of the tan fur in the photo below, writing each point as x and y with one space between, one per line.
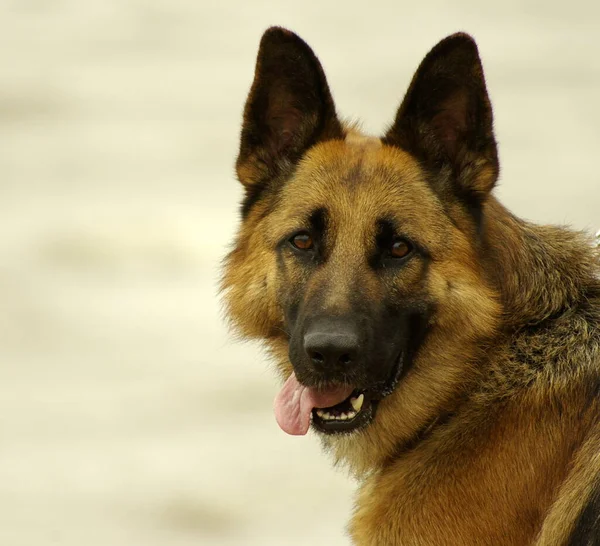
454 498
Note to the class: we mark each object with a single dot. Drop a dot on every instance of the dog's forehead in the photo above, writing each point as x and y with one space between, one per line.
360 174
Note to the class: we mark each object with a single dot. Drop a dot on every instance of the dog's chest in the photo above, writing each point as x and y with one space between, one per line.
497 492
449 514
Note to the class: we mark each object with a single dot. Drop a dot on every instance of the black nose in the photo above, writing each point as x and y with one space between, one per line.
332 342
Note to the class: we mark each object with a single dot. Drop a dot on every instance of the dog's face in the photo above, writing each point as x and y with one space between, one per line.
353 257
357 257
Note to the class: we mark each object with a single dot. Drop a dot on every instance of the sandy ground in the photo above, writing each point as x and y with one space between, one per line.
127 414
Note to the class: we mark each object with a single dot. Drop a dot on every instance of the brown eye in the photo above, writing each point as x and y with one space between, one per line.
400 248
302 241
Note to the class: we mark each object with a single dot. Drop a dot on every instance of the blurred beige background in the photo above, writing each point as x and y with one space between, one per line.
128 416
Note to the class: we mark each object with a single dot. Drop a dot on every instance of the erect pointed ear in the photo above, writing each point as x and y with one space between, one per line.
289 108
445 119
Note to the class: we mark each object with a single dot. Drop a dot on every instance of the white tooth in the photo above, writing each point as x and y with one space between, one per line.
351 415
343 416
326 415
357 402
320 412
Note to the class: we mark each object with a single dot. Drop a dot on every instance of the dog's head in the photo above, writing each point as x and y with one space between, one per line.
357 257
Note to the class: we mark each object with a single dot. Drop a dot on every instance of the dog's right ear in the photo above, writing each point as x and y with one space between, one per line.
289 108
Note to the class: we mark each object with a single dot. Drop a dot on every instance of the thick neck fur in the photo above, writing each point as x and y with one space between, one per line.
539 271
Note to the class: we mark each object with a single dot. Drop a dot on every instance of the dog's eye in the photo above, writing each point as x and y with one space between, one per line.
302 241
400 248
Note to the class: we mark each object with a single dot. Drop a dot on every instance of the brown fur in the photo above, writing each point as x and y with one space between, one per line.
492 436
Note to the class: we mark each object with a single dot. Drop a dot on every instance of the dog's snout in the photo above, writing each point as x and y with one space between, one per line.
332 343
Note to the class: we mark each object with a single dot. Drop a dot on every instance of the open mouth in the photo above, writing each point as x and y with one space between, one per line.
357 410
336 408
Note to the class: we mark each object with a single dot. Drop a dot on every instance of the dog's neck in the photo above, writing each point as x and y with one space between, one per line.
539 271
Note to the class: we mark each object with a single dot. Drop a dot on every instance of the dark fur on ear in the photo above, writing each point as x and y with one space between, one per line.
446 119
289 108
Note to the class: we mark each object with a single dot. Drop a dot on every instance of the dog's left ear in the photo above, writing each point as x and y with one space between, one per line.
445 119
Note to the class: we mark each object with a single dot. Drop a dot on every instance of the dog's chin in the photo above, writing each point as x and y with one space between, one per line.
359 410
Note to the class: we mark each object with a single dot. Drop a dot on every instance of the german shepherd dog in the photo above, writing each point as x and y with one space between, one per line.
444 350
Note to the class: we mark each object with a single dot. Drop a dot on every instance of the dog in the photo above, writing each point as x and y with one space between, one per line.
444 350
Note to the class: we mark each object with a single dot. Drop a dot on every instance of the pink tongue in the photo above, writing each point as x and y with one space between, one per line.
295 402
